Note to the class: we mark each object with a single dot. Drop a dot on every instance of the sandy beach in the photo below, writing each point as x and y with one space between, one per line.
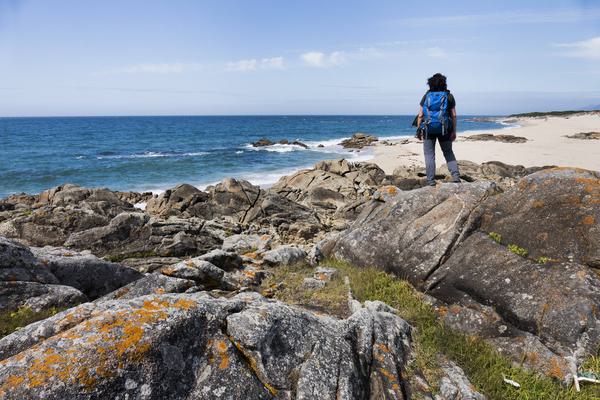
546 144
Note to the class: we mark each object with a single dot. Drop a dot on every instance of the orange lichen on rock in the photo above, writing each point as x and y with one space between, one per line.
98 346
589 220
557 368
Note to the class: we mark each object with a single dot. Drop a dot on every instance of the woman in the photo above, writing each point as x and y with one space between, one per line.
437 121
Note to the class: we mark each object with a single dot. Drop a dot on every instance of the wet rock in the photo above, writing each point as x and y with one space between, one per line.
284 255
262 142
358 141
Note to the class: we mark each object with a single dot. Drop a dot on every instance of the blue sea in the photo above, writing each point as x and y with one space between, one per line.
156 153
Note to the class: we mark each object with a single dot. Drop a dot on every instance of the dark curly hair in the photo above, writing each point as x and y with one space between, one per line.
437 83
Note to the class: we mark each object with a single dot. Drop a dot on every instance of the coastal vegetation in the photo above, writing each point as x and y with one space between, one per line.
484 366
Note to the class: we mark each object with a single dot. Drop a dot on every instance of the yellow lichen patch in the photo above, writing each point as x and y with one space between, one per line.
184 304
264 238
538 204
190 263
589 220
168 271
159 291
253 255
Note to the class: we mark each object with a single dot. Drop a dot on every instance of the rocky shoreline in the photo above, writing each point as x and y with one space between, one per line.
510 256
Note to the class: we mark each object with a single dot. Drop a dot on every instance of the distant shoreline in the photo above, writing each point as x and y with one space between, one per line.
546 144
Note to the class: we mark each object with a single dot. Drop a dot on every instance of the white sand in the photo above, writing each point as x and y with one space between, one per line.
546 145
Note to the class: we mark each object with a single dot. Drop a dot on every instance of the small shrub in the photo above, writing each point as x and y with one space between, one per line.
543 260
496 237
518 250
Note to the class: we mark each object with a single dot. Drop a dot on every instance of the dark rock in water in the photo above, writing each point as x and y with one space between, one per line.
552 214
284 141
496 138
585 136
320 145
262 142
358 141
297 143
195 346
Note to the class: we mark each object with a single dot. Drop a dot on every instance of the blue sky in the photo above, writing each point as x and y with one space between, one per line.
149 57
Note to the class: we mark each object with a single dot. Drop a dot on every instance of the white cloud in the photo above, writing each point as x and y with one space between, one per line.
589 49
254 64
435 52
161 68
321 60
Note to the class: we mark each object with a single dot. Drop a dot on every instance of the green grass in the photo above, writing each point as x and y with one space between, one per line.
496 237
11 321
518 250
482 364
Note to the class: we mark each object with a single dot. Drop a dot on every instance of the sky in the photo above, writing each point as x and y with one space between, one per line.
232 57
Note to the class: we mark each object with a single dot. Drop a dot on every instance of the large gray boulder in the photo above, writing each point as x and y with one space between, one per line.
413 232
555 303
554 213
197 347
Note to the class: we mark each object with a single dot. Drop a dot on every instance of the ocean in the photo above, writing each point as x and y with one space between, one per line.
156 153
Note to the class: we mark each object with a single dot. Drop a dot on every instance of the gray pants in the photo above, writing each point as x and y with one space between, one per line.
429 151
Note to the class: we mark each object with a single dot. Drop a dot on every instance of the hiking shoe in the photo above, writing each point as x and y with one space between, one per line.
430 183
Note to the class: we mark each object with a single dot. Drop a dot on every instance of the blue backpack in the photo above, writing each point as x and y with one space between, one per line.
436 120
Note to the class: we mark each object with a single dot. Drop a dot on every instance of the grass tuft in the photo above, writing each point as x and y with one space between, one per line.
481 362
11 321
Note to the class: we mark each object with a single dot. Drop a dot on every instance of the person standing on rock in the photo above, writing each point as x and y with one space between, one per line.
437 122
